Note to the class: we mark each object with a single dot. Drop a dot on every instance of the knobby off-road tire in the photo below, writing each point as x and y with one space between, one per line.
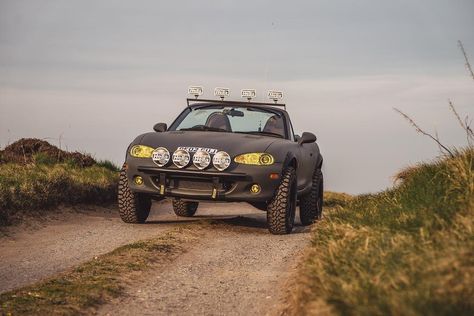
185 209
133 207
281 210
311 204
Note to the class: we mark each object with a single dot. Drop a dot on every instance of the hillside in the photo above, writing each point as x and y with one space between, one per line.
405 251
36 176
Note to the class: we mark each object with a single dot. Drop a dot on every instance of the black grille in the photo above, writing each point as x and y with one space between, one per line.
195 185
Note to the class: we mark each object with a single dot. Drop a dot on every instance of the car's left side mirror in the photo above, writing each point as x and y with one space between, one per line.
307 138
160 127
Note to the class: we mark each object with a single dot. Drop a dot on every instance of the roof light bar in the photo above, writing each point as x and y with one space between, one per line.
275 95
222 92
249 94
196 91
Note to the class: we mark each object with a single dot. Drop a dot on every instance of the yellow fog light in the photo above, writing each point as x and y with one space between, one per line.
260 159
138 180
141 151
255 189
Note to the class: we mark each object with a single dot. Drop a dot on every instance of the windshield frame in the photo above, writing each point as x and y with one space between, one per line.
191 108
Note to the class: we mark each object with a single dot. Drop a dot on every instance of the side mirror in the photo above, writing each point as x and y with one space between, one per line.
160 127
307 138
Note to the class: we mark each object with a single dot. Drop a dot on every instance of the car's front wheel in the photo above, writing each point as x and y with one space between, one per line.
185 209
311 204
133 207
281 210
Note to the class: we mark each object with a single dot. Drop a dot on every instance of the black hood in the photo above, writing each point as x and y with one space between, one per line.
232 143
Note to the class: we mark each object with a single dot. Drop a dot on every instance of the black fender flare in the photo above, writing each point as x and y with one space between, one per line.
319 162
290 160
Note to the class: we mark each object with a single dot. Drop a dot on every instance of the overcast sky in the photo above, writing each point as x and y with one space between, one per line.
97 73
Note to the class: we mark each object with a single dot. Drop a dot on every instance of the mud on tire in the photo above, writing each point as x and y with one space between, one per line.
185 209
281 210
133 207
311 204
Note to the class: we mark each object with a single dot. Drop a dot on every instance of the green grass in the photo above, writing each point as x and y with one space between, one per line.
107 164
405 251
83 289
45 184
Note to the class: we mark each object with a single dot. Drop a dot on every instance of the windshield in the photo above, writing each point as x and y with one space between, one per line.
233 119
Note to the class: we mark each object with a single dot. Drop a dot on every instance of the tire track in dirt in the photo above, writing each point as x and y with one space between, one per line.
237 268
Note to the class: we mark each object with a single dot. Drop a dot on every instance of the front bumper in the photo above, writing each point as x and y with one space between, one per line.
232 185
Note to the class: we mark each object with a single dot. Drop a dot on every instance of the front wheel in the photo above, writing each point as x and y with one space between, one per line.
281 210
311 204
133 207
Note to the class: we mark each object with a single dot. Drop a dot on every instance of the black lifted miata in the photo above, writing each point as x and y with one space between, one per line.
225 151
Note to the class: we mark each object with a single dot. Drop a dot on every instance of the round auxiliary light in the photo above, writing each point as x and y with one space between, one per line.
160 156
181 158
201 159
221 160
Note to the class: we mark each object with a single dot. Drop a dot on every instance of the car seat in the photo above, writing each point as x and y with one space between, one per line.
274 125
219 120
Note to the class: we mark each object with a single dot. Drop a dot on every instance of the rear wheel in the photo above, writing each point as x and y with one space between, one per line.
133 207
183 208
281 210
311 204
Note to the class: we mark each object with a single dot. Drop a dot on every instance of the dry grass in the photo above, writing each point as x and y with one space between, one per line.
405 251
334 199
26 189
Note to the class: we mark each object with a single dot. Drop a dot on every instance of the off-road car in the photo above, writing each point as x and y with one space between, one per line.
225 151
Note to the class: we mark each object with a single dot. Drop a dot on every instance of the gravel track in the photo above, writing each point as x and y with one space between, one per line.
32 252
236 268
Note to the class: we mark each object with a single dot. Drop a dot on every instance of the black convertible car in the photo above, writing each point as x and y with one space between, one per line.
227 151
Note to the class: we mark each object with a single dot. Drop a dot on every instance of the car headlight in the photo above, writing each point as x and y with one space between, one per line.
160 156
201 159
181 158
141 151
260 159
221 160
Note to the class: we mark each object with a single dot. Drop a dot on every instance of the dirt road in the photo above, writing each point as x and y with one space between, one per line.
237 268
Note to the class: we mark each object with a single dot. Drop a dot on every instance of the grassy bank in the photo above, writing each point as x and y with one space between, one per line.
42 178
405 251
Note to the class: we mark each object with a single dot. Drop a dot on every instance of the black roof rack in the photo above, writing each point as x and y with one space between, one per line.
236 102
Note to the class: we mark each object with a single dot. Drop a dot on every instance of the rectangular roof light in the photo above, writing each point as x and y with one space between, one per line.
196 91
275 95
249 94
222 92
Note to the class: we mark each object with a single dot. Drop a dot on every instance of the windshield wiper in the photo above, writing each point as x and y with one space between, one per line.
204 128
262 133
